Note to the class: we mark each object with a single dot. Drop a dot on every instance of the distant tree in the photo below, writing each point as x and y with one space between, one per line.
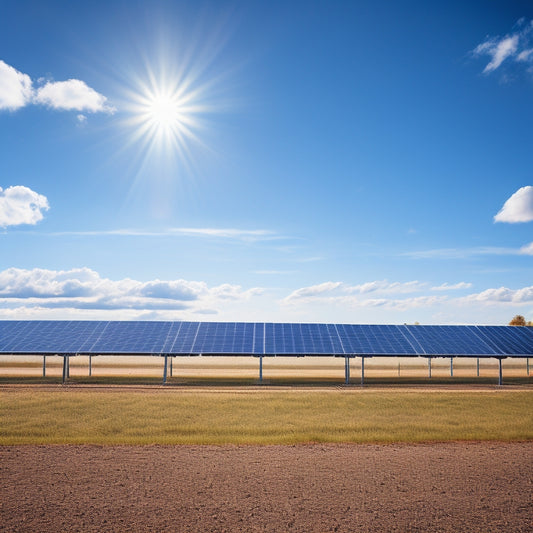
530 324
518 320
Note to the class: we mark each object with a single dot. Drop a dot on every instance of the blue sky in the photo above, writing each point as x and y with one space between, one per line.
360 162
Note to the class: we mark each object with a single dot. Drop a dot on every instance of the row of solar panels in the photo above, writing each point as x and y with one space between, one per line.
242 338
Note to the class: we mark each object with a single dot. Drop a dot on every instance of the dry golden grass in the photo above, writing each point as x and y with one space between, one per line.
167 416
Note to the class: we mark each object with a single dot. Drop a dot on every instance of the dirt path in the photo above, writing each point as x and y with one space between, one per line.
435 487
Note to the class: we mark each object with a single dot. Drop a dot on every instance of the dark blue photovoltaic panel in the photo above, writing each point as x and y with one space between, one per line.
185 337
450 340
516 340
225 338
132 338
374 340
46 336
301 339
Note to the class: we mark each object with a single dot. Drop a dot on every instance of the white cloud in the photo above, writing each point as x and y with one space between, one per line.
72 95
84 289
461 253
456 286
16 91
15 88
341 292
518 208
514 47
21 205
216 233
503 295
527 249
525 55
499 50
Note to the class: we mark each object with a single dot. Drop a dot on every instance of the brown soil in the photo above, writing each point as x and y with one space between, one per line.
433 487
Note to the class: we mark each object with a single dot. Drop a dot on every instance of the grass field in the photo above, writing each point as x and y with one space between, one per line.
166 416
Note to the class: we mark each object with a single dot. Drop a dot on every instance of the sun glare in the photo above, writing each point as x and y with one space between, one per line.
167 116
164 112
173 96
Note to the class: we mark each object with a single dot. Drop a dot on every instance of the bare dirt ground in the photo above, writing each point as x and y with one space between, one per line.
308 488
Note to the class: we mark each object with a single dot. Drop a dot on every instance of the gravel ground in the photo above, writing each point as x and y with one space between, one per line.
307 488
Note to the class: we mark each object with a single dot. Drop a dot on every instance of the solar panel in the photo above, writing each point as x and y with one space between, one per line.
450 340
374 340
244 338
509 340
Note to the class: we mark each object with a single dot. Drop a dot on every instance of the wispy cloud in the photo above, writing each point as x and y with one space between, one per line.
527 249
215 233
454 287
518 208
17 91
517 46
274 272
461 253
374 294
21 205
342 292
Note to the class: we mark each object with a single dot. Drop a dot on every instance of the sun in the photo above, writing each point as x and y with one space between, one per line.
163 112
167 115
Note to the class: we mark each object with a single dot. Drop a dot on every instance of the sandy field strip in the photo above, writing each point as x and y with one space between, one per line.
306 488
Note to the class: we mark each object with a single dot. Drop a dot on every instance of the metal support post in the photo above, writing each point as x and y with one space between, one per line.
346 370
398 367
68 366
64 378
362 370
429 367
478 367
44 366
171 369
90 365
261 369
527 366
451 367
165 369
500 371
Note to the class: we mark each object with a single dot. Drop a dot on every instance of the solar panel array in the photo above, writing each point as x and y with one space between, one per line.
242 338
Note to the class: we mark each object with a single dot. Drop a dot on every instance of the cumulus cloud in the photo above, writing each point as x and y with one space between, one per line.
21 205
16 91
15 88
518 208
515 47
83 288
503 295
71 95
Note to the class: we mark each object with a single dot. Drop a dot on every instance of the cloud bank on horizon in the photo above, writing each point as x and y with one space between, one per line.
83 293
